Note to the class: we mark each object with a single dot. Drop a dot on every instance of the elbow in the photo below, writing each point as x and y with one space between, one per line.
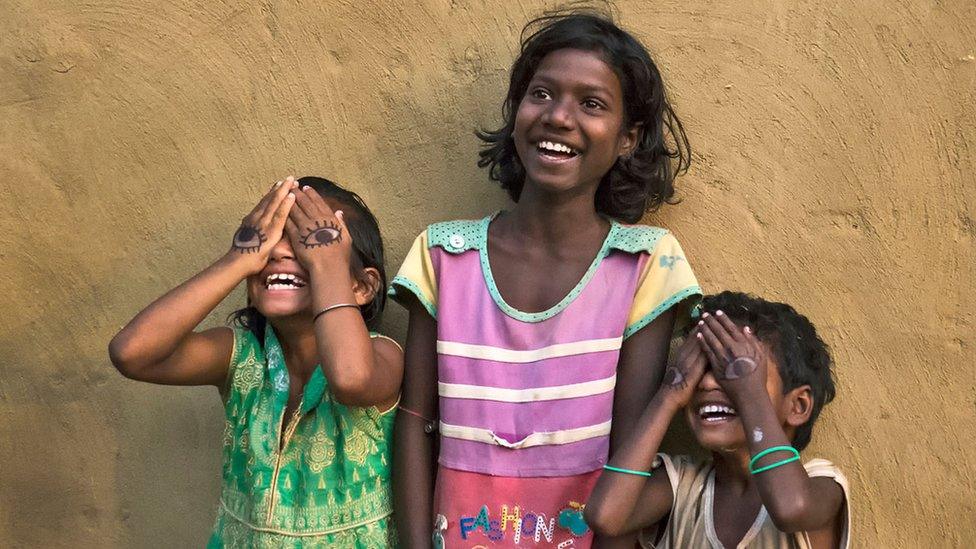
353 391
601 522
123 357
790 515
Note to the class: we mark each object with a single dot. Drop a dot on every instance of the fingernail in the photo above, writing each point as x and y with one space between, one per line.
339 214
699 336
276 185
701 322
306 188
704 315
290 178
719 313
747 330
290 195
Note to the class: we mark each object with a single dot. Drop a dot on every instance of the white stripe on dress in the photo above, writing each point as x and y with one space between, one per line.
500 354
558 392
549 438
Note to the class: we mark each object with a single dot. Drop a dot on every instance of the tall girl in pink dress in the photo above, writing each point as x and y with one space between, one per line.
537 335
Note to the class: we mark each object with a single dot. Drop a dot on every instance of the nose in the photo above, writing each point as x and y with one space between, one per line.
559 114
282 250
708 381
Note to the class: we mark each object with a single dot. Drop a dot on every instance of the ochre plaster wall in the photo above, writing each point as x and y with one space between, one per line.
833 169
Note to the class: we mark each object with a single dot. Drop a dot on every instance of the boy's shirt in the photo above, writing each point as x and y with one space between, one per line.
691 522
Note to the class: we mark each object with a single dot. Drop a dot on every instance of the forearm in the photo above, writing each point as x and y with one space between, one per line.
157 331
344 346
612 508
413 482
786 491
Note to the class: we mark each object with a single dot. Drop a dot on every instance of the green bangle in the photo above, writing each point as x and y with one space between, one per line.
767 451
628 471
775 465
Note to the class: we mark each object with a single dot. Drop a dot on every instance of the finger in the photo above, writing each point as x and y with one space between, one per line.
718 330
712 359
297 214
734 331
317 202
276 197
293 232
713 345
280 215
303 201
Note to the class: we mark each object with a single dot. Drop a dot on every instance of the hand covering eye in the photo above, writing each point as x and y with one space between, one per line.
323 234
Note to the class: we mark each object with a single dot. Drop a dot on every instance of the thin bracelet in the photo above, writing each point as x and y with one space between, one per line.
775 465
627 471
767 451
429 424
332 308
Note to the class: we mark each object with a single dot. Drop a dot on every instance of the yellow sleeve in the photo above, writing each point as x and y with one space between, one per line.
667 281
416 276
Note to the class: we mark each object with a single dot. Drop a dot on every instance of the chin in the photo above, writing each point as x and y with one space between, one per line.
720 436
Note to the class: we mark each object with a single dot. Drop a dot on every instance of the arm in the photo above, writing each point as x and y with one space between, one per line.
639 371
414 450
623 503
795 501
361 371
159 345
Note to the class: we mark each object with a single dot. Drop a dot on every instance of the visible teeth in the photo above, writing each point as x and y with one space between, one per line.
276 278
715 409
557 147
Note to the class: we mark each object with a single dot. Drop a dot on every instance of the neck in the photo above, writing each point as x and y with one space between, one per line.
554 217
732 469
297 338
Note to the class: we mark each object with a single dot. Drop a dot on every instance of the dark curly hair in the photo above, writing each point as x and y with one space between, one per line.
367 244
803 357
637 183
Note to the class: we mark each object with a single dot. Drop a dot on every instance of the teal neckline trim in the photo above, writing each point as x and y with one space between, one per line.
675 298
564 302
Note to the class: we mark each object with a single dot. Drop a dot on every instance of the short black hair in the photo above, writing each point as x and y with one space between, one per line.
367 244
803 358
637 183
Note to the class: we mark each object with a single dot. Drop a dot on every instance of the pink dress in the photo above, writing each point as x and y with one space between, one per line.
525 399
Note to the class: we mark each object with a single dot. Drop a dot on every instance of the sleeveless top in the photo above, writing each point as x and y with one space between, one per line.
329 483
525 399
691 522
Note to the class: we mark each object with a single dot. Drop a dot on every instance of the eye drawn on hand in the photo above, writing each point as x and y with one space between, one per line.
325 233
740 367
673 377
248 239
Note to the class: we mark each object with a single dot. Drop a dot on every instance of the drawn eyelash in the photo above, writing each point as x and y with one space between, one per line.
248 239
324 233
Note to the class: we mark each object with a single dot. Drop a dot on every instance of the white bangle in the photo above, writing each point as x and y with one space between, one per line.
332 308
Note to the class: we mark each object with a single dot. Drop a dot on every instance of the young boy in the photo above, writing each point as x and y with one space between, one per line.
753 376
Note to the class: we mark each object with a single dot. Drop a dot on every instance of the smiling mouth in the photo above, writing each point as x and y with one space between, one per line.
556 151
282 281
715 413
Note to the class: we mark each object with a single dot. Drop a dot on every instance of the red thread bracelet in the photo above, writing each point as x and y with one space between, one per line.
428 426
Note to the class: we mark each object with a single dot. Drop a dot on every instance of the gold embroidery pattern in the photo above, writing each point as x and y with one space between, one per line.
322 451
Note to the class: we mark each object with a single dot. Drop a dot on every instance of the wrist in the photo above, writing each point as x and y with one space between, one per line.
236 263
668 400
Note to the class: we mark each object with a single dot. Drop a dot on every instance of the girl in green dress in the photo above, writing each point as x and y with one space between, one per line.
309 391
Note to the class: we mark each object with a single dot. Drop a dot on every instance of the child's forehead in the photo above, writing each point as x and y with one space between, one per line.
582 68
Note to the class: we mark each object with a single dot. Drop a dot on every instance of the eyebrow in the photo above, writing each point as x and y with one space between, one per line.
583 86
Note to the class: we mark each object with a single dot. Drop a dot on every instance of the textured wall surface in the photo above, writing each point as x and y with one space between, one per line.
834 168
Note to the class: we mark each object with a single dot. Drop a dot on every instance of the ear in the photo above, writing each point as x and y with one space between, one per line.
799 405
366 285
629 139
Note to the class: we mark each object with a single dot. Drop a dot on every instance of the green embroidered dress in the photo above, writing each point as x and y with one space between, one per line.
328 486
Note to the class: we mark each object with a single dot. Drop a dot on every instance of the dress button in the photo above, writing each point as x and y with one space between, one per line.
456 241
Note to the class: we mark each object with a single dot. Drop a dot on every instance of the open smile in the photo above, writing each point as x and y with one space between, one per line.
554 151
284 281
711 414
